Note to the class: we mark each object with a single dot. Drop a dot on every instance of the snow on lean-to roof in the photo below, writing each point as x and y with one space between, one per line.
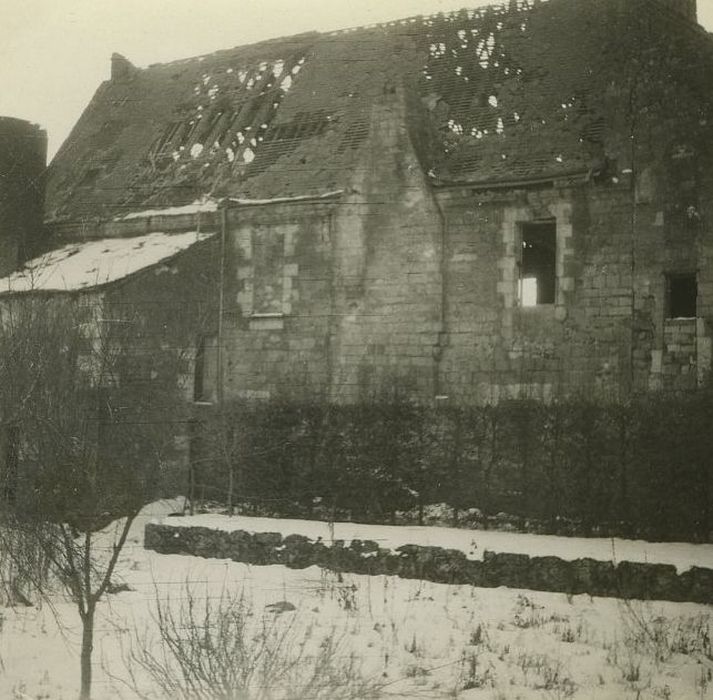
206 204
93 263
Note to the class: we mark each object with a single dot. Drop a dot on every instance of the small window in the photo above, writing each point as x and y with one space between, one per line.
538 264
205 382
681 295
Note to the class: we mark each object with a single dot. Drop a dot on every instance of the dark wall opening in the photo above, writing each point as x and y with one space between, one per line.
681 296
205 380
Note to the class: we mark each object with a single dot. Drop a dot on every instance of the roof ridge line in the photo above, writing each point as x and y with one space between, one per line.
490 6
201 57
504 5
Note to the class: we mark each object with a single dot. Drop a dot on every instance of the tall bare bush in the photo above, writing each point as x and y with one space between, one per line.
221 648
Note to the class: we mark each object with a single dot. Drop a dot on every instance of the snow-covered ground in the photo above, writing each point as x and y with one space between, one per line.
472 542
416 639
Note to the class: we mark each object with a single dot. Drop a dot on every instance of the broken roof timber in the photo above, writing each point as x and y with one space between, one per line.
578 175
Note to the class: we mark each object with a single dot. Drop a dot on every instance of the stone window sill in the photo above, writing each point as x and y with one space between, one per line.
266 322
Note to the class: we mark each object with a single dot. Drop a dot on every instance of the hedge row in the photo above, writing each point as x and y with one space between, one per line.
643 469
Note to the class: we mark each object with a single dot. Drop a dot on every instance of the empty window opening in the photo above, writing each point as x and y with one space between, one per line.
527 291
681 296
538 264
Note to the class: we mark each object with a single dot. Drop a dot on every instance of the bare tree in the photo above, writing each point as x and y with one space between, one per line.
82 448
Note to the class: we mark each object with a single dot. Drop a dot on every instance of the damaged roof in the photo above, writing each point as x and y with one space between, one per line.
502 93
94 263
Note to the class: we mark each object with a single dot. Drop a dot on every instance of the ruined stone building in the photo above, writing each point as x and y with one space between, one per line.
502 202
23 153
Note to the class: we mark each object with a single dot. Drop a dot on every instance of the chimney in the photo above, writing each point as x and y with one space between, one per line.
122 68
685 8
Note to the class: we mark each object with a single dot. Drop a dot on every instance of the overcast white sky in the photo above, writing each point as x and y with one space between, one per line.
54 53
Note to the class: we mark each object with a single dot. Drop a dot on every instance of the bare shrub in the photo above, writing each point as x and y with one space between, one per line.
221 649
659 637
474 672
547 674
25 570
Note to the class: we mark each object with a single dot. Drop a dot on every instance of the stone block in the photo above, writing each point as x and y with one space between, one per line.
697 583
268 539
506 569
551 574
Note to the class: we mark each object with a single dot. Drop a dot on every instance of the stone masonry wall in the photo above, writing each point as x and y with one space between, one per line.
388 292
278 301
679 354
600 578
405 290
388 278
341 300
607 331
497 349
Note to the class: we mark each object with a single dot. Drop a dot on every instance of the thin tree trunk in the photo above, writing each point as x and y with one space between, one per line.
86 654
231 488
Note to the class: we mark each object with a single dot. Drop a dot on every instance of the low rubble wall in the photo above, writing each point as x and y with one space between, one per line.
597 578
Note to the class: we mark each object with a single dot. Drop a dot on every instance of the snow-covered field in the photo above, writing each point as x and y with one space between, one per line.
409 639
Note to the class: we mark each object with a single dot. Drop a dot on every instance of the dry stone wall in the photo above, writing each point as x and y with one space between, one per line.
598 578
